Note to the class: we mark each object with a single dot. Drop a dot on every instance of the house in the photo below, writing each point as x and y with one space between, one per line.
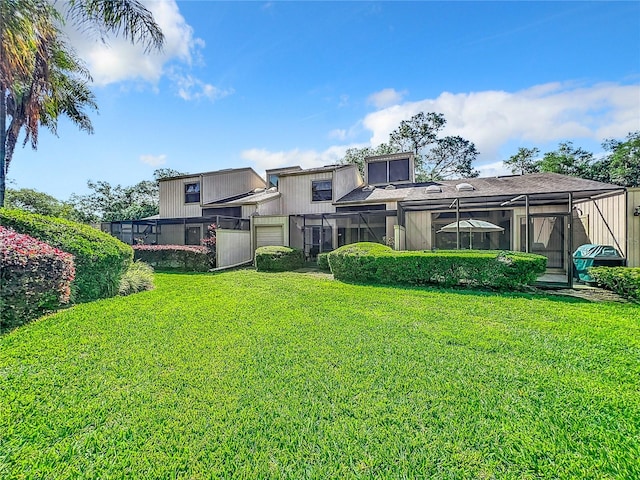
320 209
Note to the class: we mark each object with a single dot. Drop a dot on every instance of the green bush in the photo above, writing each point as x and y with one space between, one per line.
376 263
323 261
278 259
35 278
180 258
137 278
100 259
622 280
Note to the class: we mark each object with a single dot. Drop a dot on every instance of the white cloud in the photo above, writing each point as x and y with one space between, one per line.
118 60
338 134
494 169
542 113
385 98
154 160
263 159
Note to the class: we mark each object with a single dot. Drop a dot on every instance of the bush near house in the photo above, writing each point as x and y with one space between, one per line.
179 258
100 259
137 278
323 261
622 280
376 263
278 259
35 278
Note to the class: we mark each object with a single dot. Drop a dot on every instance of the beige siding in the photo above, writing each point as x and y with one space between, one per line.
603 221
232 247
218 185
418 230
296 194
248 210
346 180
633 228
269 235
275 220
172 199
272 207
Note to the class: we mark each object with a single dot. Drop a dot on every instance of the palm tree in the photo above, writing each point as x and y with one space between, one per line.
40 76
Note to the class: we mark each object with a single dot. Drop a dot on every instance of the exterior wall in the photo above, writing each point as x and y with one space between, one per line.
295 193
633 228
275 220
418 230
272 207
232 247
604 221
171 235
248 210
345 180
218 185
172 199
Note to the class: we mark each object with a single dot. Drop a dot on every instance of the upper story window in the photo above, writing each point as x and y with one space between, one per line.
321 191
272 180
192 192
388 171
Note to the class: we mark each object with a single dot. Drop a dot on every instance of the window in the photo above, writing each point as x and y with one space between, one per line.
272 180
388 171
377 172
192 192
192 236
321 191
399 170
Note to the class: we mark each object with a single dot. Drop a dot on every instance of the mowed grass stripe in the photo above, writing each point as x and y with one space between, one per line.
251 375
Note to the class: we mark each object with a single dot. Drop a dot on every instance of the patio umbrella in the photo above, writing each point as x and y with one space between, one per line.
471 226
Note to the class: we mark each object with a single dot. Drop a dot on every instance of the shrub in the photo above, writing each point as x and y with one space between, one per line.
137 278
181 258
35 278
278 259
323 261
100 259
622 280
376 263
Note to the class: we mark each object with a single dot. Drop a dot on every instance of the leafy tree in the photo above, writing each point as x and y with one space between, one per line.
117 203
42 203
524 161
568 160
624 160
357 156
40 76
449 157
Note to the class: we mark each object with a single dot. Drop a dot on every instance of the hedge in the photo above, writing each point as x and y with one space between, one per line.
622 280
323 261
179 258
278 259
100 259
35 278
376 263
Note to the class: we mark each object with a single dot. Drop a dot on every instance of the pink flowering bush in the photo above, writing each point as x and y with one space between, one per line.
35 278
184 258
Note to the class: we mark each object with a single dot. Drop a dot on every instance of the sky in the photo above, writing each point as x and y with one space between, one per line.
272 84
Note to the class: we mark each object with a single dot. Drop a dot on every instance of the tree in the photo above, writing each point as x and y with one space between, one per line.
38 202
357 156
450 157
40 76
417 133
568 160
117 203
624 160
524 161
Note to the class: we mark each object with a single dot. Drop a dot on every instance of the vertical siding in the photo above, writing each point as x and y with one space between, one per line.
272 207
219 185
604 221
418 230
232 247
633 228
248 210
346 180
281 220
172 199
296 194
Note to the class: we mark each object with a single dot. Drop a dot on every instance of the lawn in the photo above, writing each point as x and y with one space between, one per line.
251 375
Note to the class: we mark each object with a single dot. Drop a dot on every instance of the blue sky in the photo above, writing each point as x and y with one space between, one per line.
279 83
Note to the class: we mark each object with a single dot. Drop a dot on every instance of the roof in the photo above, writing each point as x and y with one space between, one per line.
509 186
248 198
214 172
308 171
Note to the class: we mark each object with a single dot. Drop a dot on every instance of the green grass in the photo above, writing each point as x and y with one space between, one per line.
257 375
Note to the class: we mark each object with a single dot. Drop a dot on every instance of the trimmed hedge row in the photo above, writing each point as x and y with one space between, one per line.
278 259
35 278
624 281
100 259
179 258
376 263
323 262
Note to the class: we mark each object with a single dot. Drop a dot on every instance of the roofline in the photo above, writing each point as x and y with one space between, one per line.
390 156
214 172
325 169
